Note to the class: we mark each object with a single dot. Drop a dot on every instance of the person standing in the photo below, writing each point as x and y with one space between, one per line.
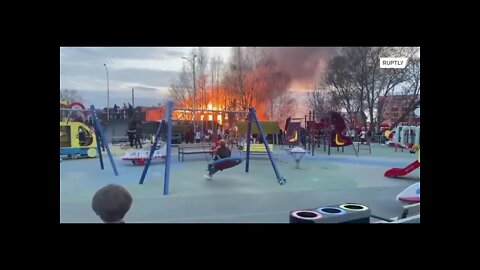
131 132
138 135
198 136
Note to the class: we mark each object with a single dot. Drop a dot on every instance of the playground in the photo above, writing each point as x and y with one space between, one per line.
253 188
234 195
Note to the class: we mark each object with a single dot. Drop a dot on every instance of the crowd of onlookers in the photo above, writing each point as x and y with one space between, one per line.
205 135
117 112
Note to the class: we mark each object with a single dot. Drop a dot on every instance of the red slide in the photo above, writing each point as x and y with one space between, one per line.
394 172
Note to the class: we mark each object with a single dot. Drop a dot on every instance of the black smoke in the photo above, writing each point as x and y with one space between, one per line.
303 64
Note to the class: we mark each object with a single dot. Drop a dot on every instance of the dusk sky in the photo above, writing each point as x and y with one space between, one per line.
150 70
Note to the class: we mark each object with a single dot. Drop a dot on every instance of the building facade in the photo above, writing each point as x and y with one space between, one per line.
395 106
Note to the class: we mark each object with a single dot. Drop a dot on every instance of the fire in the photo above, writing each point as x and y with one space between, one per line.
219 99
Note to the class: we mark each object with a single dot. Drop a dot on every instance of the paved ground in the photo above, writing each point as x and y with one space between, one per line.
236 196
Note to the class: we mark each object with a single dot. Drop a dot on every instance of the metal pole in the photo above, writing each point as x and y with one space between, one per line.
108 94
152 150
303 138
309 130
98 146
104 140
133 98
280 179
329 138
166 180
254 69
249 134
194 90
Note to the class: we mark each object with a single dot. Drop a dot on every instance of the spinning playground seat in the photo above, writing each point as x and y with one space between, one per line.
138 157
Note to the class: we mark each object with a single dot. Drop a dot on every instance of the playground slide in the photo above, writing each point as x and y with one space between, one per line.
395 172
339 140
293 130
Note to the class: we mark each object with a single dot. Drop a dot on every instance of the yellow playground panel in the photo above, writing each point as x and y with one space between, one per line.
76 138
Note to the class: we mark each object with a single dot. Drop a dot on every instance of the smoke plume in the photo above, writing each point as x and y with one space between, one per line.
303 64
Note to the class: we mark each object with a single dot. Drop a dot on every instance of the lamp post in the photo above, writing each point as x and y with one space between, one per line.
108 94
297 154
194 88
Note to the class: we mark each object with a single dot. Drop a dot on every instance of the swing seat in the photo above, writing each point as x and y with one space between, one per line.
222 164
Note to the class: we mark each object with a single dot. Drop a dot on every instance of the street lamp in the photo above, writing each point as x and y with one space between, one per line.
194 88
108 94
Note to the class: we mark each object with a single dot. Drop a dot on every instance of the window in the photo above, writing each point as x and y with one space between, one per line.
65 136
85 138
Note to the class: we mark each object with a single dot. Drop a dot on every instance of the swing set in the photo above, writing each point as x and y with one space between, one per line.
221 164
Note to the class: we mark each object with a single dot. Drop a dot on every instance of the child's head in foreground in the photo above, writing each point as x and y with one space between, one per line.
111 203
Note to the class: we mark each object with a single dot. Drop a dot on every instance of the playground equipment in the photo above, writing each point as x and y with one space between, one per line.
395 172
338 126
408 135
411 194
297 154
292 129
222 164
333 126
271 128
78 113
65 104
167 123
403 137
343 213
138 157
76 138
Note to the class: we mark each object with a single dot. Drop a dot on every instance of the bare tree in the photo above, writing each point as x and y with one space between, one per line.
181 90
229 89
340 80
71 95
248 79
201 74
286 106
411 88
382 82
320 101
358 81
216 64
238 71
